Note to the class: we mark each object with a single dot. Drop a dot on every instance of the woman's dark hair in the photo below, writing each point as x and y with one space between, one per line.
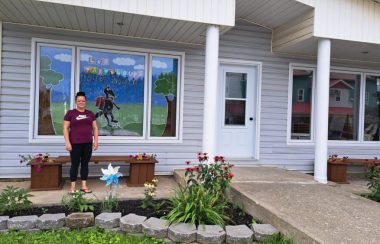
80 94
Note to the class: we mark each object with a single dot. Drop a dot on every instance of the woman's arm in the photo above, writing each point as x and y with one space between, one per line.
96 135
66 126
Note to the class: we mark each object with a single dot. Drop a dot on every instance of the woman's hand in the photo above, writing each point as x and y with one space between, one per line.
95 145
68 146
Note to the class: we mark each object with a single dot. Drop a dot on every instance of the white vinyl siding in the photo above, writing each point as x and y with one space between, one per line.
15 101
354 20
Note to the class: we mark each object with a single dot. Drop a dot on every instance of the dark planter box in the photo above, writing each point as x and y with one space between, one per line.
49 178
141 171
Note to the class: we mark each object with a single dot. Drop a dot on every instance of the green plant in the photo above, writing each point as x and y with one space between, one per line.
14 199
374 183
278 238
109 203
197 205
77 202
216 176
36 161
87 236
149 194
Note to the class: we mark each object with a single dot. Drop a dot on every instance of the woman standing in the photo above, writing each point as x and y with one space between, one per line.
79 126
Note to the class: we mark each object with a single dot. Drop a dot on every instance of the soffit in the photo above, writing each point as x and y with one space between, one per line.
270 13
46 14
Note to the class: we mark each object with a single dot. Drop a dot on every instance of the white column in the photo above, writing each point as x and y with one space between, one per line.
322 110
211 91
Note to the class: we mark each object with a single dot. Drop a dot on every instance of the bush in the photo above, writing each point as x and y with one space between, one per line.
196 205
13 199
109 204
77 202
374 183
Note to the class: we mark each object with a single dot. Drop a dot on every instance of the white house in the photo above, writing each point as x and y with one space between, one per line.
247 79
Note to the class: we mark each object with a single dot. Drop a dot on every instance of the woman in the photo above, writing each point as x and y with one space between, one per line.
79 126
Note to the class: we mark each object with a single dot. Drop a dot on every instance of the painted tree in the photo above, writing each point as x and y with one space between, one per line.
166 84
48 79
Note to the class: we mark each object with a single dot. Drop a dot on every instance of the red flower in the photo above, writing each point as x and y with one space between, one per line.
196 168
230 175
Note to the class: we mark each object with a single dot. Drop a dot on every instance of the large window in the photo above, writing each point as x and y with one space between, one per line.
352 97
302 84
127 102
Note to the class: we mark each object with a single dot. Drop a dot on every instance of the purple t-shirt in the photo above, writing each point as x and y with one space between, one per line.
80 126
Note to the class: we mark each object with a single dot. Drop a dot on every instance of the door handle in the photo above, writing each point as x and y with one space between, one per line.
250 118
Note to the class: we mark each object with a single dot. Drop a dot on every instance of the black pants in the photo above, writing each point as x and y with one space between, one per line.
80 154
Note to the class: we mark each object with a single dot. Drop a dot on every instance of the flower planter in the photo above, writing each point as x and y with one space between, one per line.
141 171
49 178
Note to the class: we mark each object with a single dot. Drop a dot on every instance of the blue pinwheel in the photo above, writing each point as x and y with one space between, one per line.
111 175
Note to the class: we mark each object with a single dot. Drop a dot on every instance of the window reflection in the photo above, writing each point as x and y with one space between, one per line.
344 97
372 108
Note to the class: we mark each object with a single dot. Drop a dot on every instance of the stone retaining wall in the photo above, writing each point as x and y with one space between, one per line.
132 223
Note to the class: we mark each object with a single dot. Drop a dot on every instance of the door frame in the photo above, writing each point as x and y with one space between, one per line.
258 65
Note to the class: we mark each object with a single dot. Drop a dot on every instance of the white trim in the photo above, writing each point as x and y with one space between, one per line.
332 143
76 47
34 98
179 97
289 140
1 48
258 65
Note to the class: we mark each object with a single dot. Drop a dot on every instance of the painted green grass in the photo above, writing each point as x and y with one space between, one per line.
92 236
130 117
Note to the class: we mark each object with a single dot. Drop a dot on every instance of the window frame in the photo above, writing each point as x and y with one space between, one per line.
302 95
76 48
290 103
363 73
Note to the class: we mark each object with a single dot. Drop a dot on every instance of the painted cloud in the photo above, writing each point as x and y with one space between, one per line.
159 65
85 57
139 66
63 57
124 61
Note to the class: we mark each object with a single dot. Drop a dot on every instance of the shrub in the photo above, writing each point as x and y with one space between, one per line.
14 199
109 204
77 202
197 205
374 183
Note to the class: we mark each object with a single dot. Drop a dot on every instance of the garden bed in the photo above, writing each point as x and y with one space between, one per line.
237 215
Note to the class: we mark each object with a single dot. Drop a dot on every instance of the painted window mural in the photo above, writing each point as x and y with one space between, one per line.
114 85
54 86
128 103
164 96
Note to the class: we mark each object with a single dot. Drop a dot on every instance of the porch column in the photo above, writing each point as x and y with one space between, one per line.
211 91
322 110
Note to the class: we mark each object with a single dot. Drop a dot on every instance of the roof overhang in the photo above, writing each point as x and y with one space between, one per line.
73 15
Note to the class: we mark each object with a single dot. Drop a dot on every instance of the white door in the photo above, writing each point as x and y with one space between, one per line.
237 120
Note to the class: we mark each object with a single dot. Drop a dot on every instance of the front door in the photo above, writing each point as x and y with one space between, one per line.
237 120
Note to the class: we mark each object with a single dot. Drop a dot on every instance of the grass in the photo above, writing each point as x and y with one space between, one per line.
88 236
277 239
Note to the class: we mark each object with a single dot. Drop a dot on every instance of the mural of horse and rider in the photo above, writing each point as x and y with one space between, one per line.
115 93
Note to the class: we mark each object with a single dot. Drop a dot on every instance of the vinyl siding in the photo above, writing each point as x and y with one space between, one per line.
253 43
15 101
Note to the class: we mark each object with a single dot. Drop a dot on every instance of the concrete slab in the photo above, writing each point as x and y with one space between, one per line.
165 188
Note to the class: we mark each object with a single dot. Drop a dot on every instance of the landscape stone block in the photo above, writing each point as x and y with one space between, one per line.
210 234
238 234
23 222
51 221
108 220
4 222
132 223
80 220
155 227
181 232
263 231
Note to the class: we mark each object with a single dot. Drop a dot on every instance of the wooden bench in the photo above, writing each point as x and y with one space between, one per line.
337 167
140 171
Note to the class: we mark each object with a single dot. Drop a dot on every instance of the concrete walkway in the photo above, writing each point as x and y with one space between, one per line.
293 202
307 211
165 188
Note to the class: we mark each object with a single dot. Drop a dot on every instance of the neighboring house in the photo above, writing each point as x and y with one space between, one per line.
248 79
